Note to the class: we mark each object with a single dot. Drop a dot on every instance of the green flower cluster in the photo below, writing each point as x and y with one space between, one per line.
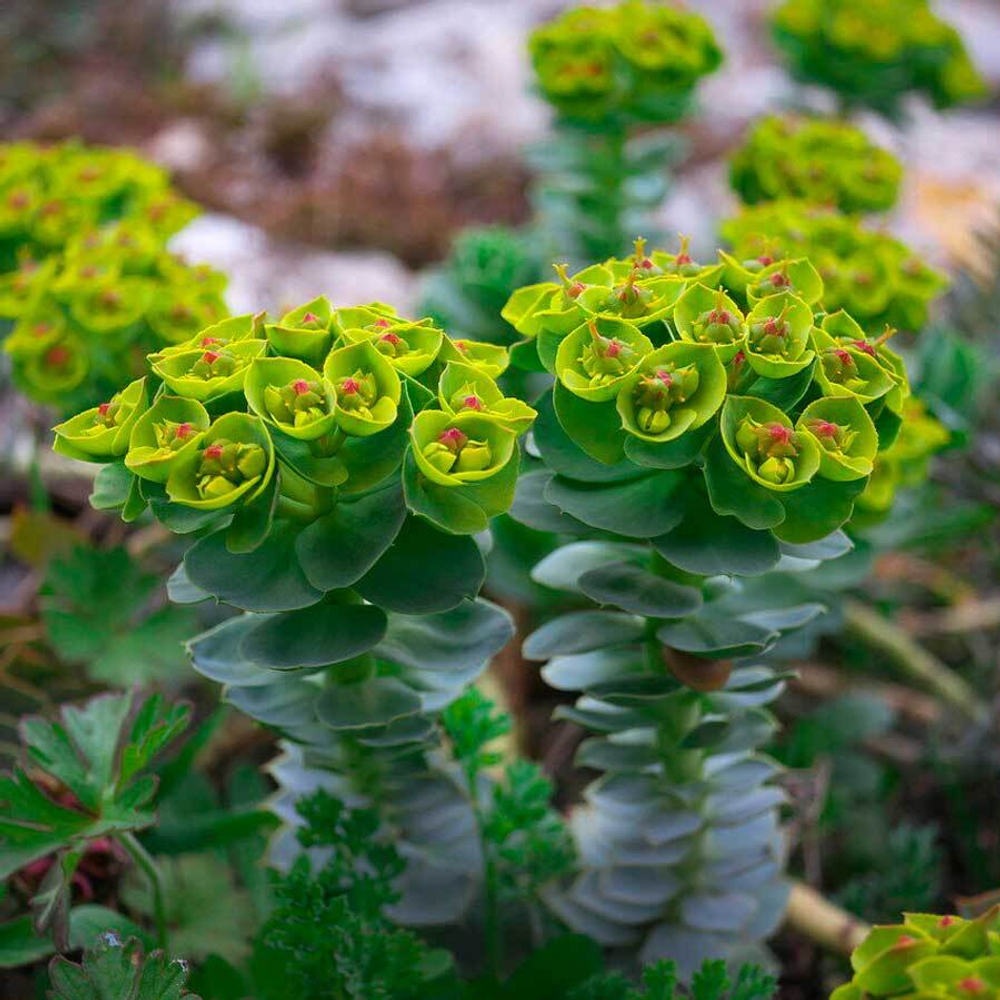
873 52
906 462
635 61
822 162
668 361
928 957
871 275
287 416
86 286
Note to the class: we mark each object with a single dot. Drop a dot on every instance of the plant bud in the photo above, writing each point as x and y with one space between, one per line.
440 456
473 457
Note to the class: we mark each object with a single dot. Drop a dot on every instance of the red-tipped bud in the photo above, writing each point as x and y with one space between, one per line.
381 324
214 452
310 318
453 439
349 386
300 387
972 984
779 433
779 280
57 356
390 338
862 278
472 403
613 349
665 377
103 409
184 430
904 942
946 921
863 345
824 428
41 329
208 341
739 358
844 357
210 357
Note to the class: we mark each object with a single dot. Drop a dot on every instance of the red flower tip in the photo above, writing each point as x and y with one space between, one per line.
764 260
184 430
779 433
862 278
461 345
349 386
904 942
40 329
103 408
863 345
210 357
613 349
739 358
843 356
381 323
208 341
453 438
310 318
19 199
971 984
826 428
472 403
300 387
57 356
213 451
390 338
665 377
946 921
779 280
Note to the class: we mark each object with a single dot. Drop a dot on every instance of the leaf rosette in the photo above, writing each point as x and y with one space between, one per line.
171 427
291 397
676 388
761 440
102 432
411 347
232 465
705 315
206 374
367 388
463 389
594 360
846 435
303 333
848 371
461 449
798 277
777 341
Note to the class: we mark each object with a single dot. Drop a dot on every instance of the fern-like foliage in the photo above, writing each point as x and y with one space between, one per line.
329 935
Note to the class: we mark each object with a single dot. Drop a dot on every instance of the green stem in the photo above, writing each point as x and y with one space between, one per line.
142 858
887 638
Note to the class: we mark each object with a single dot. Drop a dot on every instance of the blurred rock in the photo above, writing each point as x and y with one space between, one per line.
184 146
268 274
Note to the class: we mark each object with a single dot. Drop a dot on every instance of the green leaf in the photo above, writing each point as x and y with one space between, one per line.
338 549
817 509
424 571
582 631
565 457
674 454
111 487
709 545
267 579
99 608
314 637
784 393
715 637
639 591
112 971
641 508
252 522
551 970
206 911
98 752
731 491
530 507
374 702
595 427
461 510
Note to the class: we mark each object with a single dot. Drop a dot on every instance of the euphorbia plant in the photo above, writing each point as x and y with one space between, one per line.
875 54
822 162
87 287
609 74
693 436
331 468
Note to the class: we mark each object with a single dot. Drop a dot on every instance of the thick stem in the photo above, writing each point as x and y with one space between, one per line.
142 858
884 636
824 922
